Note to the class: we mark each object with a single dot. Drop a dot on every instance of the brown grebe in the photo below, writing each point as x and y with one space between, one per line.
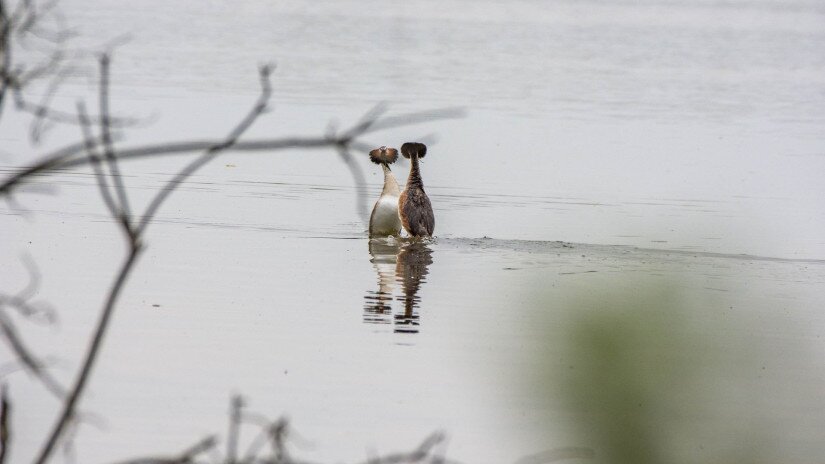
384 220
413 205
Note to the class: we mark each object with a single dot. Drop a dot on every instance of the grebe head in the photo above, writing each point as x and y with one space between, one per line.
384 155
413 147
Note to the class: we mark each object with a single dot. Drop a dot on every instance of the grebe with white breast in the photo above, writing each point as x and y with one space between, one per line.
384 220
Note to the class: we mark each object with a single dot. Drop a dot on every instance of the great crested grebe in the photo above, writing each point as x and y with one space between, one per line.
413 205
384 220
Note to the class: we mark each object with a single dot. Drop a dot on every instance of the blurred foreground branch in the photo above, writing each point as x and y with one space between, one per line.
5 434
71 156
29 25
270 446
98 151
21 304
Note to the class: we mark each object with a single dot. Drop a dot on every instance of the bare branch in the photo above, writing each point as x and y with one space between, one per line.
211 152
55 36
91 355
360 182
185 457
198 448
44 111
23 77
408 119
20 301
34 278
24 15
68 448
234 429
116 200
29 361
135 245
275 434
38 27
5 433
367 120
39 312
108 147
50 162
15 206
5 53
65 158
100 177
420 454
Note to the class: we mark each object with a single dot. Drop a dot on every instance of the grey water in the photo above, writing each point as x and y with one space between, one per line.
678 141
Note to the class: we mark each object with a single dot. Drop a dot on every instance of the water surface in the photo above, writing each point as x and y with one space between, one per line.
679 141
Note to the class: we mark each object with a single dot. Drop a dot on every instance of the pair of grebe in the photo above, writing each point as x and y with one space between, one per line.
410 209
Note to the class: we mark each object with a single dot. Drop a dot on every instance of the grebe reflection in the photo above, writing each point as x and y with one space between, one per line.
405 263
413 205
384 219
384 256
411 270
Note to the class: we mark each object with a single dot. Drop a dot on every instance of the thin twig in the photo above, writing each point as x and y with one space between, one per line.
234 429
5 414
186 457
211 152
360 181
29 361
95 161
23 14
365 122
408 119
65 158
5 53
16 30
50 162
419 454
274 433
20 300
198 448
37 312
25 356
91 355
26 76
34 278
108 146
257 443
45 112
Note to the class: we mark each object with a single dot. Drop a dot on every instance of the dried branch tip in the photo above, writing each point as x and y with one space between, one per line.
384 155
413 147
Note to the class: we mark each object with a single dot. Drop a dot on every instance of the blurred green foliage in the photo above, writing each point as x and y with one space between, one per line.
649 371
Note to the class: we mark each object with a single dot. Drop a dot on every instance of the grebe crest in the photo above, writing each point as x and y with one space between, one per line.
414 205
384 155
413 148
384 220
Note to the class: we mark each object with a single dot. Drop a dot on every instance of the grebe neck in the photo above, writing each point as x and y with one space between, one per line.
415 175
390 184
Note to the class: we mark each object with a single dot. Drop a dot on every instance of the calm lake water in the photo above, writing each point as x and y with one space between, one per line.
674 142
